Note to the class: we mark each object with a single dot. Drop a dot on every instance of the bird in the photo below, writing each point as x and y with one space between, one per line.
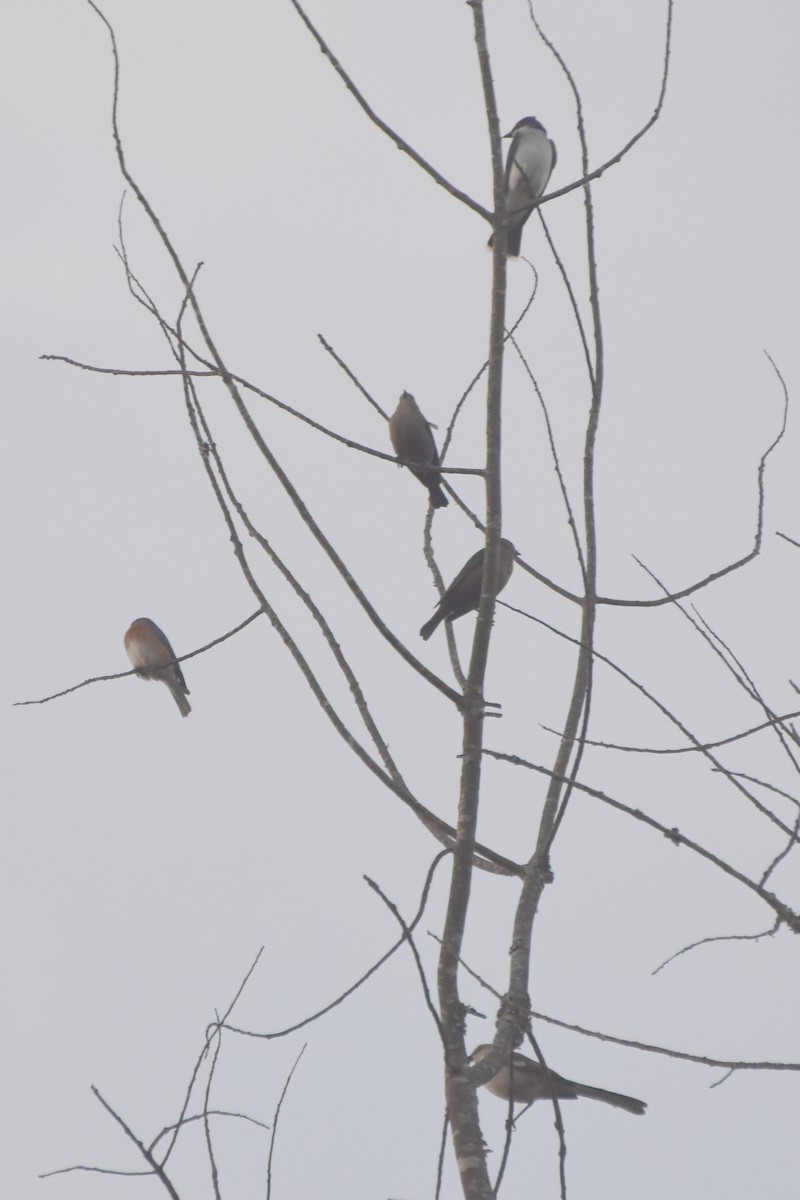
464 593
530 1081
530 162
414 445
152 657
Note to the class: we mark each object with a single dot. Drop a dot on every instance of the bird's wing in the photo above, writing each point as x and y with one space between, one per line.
467 569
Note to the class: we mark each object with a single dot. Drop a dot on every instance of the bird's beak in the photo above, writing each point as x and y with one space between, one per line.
505 135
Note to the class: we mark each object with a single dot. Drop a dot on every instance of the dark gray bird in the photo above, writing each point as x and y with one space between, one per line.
464 593
414 446
531 158
151 655
530 1082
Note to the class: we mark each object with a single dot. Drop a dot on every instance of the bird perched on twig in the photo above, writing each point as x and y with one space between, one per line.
531 159
530 1081
464 593
414 445
152 658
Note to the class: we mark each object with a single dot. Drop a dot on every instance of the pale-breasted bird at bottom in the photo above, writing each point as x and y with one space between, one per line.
529 1081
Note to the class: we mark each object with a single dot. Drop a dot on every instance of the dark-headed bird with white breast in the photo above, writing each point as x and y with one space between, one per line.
529 1081
152 658
464 593
414 445
531 159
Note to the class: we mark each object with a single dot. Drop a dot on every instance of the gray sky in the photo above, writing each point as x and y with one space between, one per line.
146 859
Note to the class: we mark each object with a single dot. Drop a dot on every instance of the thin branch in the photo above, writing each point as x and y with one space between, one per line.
367 974
556 460
713 576
731 776
787 915
440 1161
791 842
344 666
142 373
701 747
275 1119
748 685
376 120
94 1171
770 787
177 1126
155 1167
733 664
629 1043
703 1060
257 391
725 937
559 1123
589 176
562 270
352 376
409 938
206 1123
201 1116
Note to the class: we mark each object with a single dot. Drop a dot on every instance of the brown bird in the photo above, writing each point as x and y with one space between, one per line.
414 445
464 593
530 1081
151 654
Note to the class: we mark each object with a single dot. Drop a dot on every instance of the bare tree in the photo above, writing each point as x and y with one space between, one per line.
568 776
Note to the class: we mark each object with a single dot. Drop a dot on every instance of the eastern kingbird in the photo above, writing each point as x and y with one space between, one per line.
531 159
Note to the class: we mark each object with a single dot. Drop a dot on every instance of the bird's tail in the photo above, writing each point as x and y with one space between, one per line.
179 696
429 626
438 498
627 1102
513 242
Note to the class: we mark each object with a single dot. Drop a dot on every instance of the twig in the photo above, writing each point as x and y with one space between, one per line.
275 1119
376 120
726 937
787 915
363 978
155 1167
